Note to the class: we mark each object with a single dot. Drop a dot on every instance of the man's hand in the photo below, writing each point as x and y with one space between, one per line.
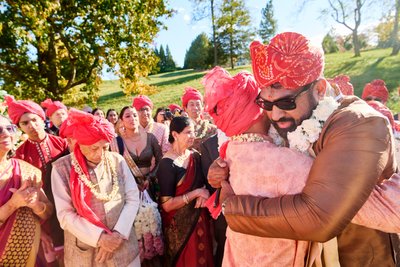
103 255
47 242
110 242
217 173
226 191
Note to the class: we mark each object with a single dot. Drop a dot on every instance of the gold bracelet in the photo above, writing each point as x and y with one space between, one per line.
186 199
43 210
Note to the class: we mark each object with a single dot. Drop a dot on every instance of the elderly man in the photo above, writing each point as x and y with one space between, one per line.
96 197
353 149
144 107
40 150
57 113
192 102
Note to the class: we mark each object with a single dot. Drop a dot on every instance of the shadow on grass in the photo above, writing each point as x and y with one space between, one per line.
110 96
179 80
176 73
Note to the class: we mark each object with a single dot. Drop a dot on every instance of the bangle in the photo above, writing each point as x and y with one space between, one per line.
43 210
185 199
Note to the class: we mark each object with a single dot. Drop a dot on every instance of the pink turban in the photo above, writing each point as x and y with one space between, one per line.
140 101
343 82
288 59
65 130
172 107
230 100
190 94
376 88
88 129
17 108
52 107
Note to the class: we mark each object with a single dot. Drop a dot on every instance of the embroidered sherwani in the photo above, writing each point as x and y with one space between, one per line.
354 152
161 132
81 236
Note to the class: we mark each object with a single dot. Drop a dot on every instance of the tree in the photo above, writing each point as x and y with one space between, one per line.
342 11
169 61
57 49
204 9
395 33
384 30
234 29
268 23
197 57
329 44
162 59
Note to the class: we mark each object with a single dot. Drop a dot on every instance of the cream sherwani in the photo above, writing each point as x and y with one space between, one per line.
81 236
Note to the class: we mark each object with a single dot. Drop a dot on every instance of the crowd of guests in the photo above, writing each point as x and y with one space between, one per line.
71 191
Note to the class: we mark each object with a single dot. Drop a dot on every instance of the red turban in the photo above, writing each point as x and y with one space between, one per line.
230 100
52 107
376 88
17 108
384 111
288 59
343 82
172 107
190 94
140 101
66 131
88 129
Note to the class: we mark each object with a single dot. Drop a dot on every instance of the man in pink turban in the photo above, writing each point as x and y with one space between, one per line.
57 113
376 90
343 82
40 150
192 103
346 139
144 107
96 197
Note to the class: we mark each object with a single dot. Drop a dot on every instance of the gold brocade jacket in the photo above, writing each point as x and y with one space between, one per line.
355 151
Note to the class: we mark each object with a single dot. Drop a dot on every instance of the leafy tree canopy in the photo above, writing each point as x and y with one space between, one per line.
57 49
198 55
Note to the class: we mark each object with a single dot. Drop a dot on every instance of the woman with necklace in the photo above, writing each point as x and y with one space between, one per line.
138 148
96 197
22 204
182 196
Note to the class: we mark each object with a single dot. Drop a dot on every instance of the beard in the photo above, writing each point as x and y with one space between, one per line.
294 123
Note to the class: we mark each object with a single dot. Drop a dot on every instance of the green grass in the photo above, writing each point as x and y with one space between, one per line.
373 64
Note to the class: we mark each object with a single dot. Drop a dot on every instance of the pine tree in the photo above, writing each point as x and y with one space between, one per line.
169 61
197 57
161 63
268 23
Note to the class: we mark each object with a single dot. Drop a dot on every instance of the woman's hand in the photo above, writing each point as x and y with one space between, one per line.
200 202
203 193
217 173
22 197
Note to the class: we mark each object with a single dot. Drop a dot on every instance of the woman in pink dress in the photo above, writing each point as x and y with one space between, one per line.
230 101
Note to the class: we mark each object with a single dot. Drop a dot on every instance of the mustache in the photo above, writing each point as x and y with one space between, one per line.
282 120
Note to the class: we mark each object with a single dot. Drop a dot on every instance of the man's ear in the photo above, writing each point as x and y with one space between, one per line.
320 87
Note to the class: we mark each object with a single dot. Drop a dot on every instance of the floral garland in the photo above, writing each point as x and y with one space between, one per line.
309 130
248 137
201 128
83 177
148 228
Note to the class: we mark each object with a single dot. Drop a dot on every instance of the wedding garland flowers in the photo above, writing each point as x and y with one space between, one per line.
309 130
248 137
83 177
148 228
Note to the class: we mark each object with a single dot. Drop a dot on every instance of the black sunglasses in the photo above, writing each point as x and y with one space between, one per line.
288 103
10 128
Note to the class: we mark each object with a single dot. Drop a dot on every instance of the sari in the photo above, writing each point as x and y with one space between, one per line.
20 233
187 230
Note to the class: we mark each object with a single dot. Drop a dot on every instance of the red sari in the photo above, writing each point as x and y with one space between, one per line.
187 230
20 233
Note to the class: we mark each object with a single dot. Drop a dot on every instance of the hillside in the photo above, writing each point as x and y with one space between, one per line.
373 64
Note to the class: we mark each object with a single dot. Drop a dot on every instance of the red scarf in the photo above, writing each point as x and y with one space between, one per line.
81 194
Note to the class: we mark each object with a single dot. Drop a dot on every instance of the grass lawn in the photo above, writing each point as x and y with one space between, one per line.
373 64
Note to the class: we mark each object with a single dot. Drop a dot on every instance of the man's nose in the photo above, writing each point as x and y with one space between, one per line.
276 113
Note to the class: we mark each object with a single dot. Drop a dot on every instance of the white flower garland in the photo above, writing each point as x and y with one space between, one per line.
83 177
201 129
309 130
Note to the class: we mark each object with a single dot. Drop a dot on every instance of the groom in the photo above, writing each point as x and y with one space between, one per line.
354 151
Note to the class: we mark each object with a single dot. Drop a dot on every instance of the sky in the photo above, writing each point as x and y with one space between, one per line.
181 30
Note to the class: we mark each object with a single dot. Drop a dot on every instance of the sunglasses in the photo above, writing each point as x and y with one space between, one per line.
288 103
10 128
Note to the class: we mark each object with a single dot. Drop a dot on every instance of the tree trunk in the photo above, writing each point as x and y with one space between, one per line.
214 34
395 33
356 44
